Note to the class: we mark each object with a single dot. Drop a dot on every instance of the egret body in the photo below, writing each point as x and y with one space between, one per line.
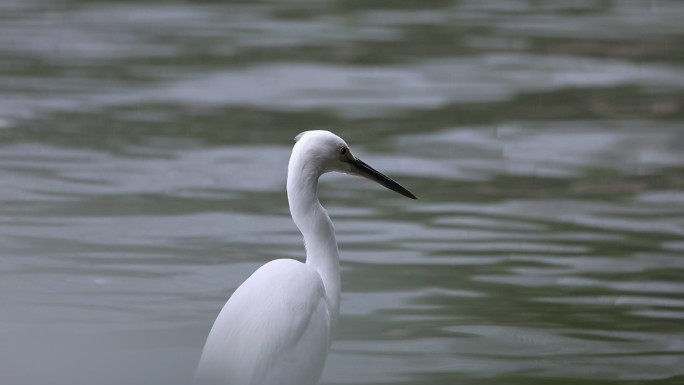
277 327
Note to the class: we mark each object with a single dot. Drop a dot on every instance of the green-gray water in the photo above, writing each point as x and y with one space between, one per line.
143 150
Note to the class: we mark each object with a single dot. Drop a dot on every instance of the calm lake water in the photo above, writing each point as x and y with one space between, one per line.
143 151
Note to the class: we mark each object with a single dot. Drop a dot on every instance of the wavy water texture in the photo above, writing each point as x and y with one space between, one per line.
143 151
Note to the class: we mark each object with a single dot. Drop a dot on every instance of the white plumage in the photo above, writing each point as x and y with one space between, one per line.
277 327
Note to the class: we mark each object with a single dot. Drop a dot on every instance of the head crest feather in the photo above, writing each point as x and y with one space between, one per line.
300 135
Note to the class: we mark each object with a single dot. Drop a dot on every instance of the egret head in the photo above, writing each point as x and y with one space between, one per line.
324 151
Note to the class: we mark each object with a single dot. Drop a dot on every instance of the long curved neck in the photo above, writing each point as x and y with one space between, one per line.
314 223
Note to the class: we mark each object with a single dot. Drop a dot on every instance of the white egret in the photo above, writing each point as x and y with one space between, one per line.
277 326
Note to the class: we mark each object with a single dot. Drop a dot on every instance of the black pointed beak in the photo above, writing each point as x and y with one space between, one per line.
360 168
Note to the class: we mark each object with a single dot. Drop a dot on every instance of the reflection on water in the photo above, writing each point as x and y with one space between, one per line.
142 168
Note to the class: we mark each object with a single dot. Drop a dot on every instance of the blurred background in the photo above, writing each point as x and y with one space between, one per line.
143 152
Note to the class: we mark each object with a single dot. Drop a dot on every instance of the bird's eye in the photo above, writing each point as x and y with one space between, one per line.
343 151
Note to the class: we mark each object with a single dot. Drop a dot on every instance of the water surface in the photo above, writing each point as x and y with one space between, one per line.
143 151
